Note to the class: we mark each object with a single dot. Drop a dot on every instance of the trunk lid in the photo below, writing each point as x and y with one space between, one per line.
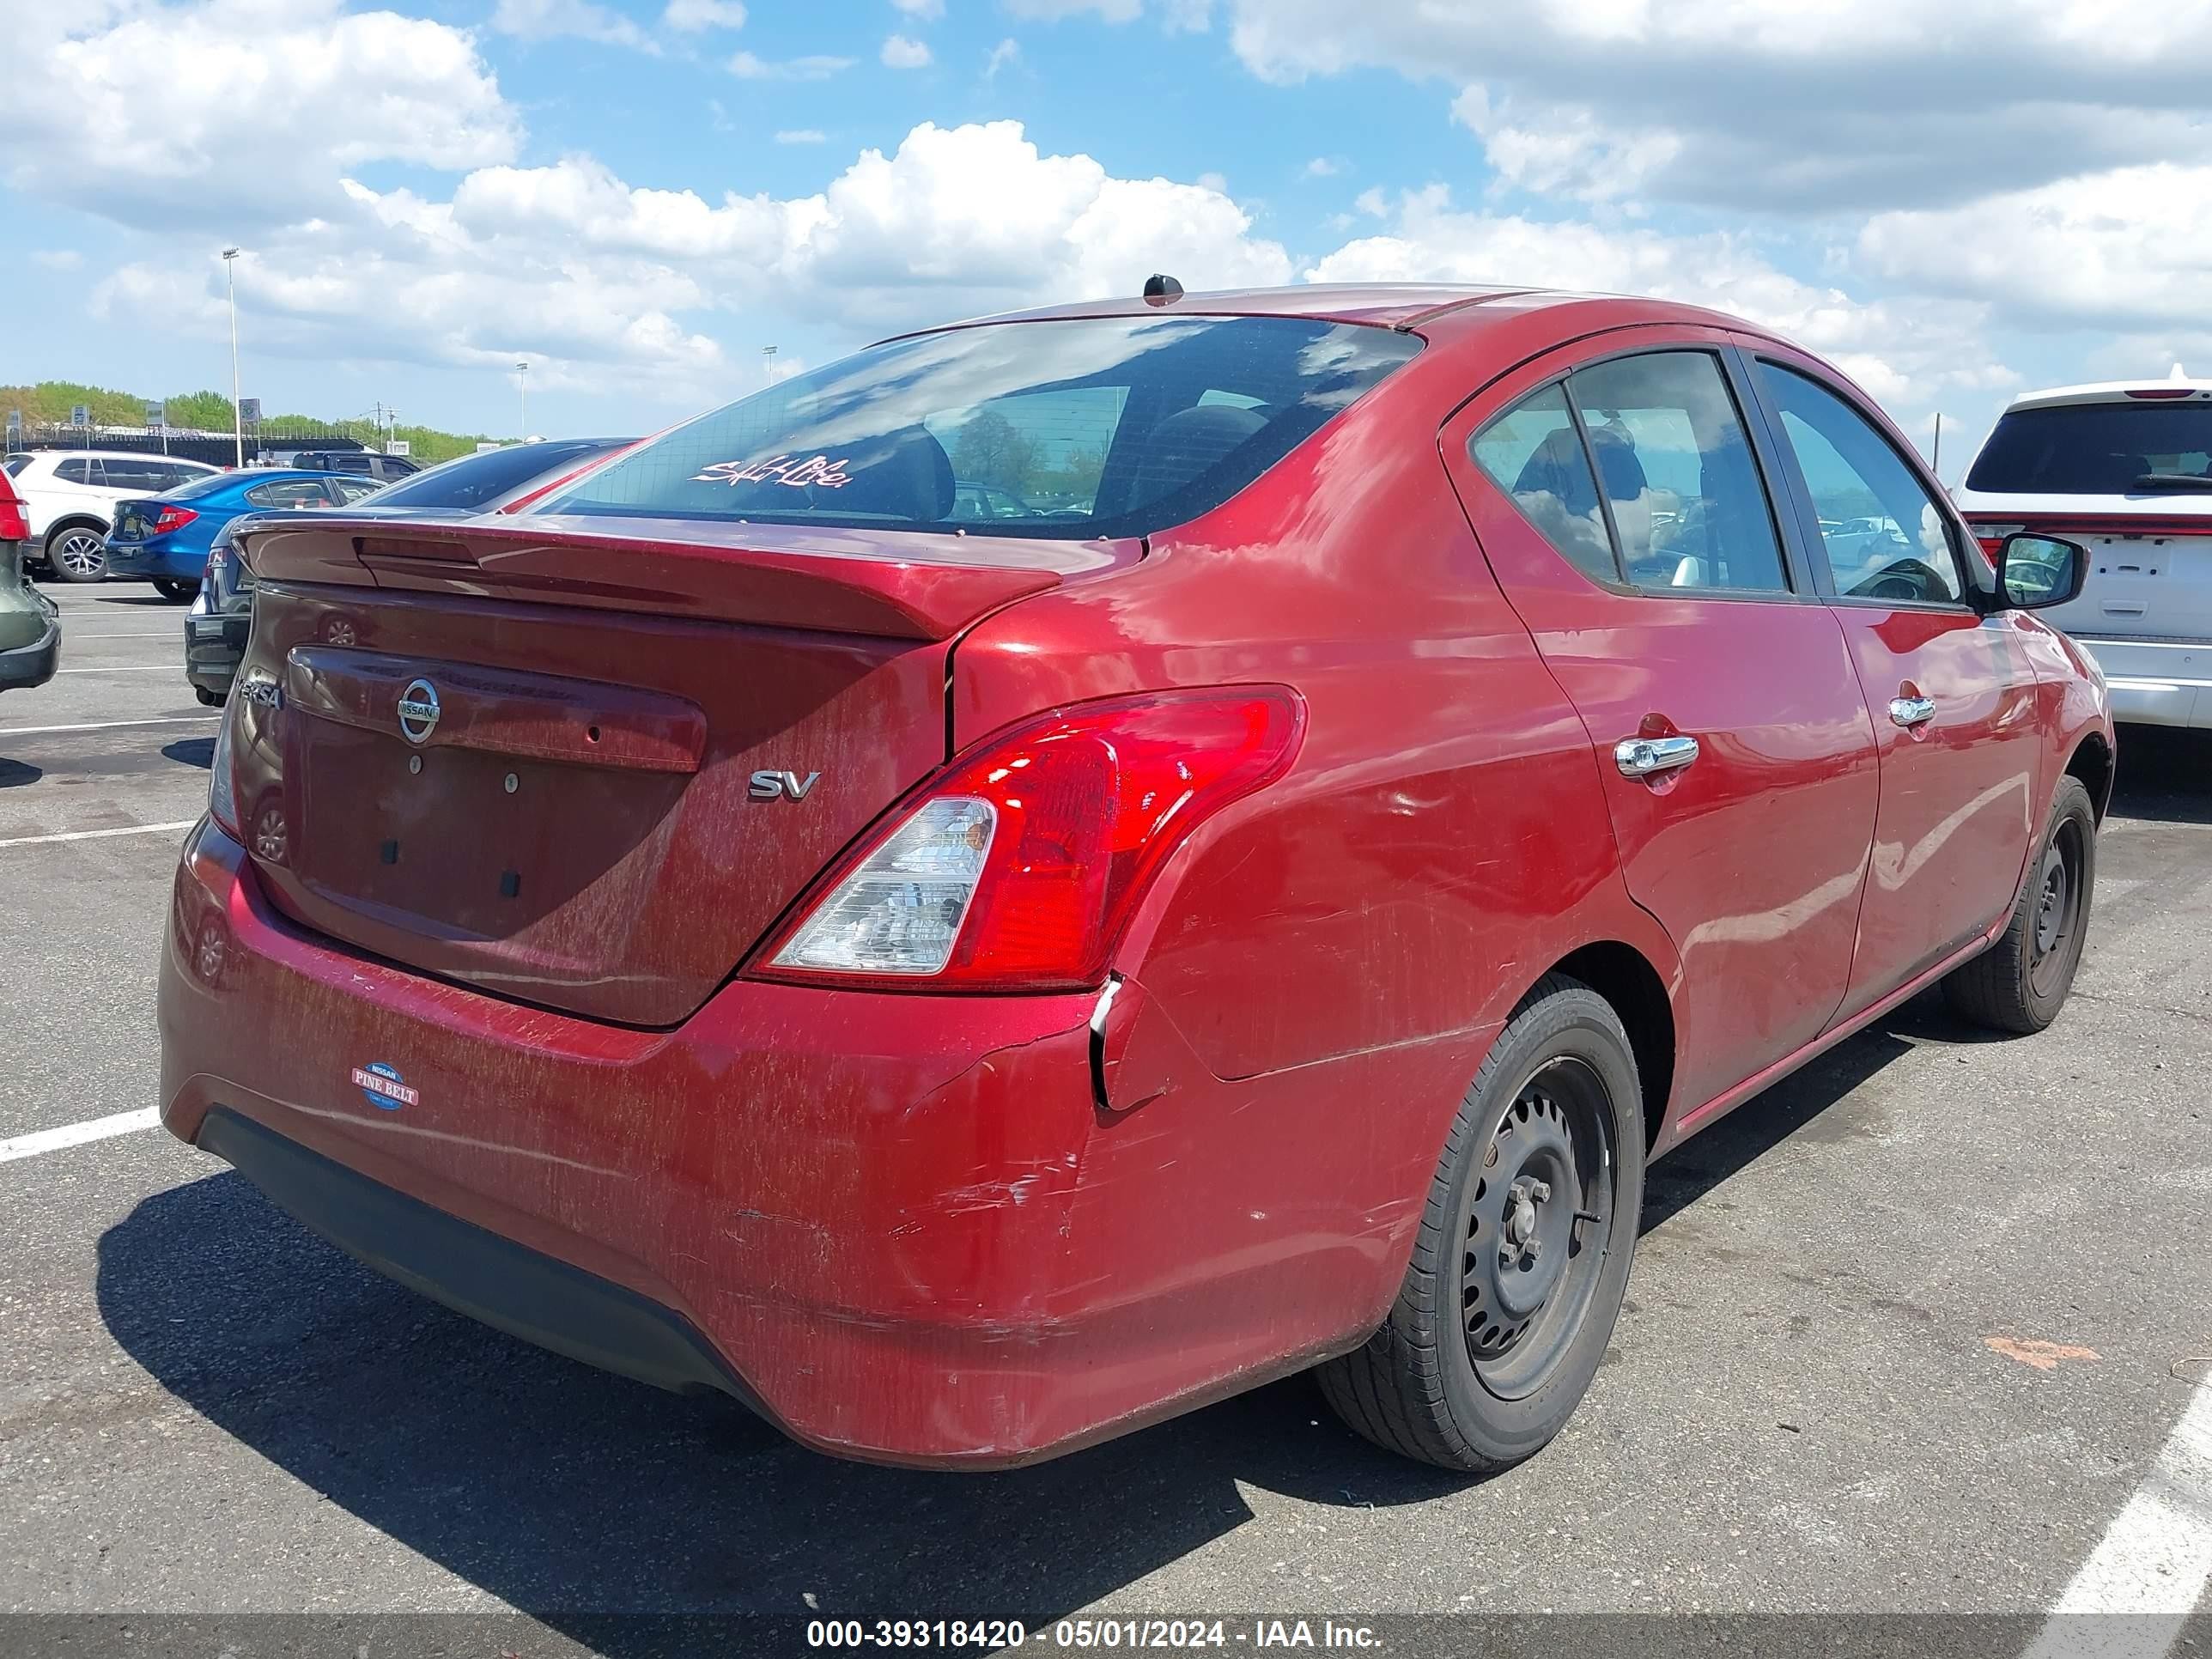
2150 562
135 520
582 763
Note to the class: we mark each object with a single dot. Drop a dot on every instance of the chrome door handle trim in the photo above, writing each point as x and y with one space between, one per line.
1911 711
1644 758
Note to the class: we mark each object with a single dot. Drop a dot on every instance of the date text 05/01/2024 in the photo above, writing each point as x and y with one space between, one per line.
1106 1633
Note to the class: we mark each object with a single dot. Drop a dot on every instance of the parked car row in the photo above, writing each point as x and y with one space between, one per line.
30 622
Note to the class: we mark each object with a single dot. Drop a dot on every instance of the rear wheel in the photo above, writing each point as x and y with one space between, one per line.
77 553
2021 983
176 592
1523 1257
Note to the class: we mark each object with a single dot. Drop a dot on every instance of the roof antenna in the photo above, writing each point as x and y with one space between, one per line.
1162 290
2177 373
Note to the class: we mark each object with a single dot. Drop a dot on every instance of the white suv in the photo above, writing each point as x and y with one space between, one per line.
70 497
2125 469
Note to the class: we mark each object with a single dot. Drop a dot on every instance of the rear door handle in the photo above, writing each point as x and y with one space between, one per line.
1911 711
1644 758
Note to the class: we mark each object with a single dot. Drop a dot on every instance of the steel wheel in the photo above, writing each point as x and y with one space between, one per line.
1538 1228
78 554
2057 908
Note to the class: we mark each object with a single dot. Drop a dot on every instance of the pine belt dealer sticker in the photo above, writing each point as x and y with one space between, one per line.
384 1088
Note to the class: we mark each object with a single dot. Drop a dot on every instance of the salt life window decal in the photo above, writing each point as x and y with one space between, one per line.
779 469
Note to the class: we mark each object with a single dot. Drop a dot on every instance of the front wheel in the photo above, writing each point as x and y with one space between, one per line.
1523 1257
2021 983
176 592
77 554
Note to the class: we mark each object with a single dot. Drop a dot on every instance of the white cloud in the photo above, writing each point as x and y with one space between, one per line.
691 17
747 67
57 258
1008 50
1808 106
547 20
134 111
928 11
601 282
2125 250
1905 353
1323 166
1109 11
900 53
801 136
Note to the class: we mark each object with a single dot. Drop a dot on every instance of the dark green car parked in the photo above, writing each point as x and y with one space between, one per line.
30 624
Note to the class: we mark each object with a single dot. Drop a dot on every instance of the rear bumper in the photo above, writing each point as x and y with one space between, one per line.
214 646
2156 682
898 1226
148 560
31 665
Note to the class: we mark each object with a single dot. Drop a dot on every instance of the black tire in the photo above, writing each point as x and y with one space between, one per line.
176 592
1441 1381
2021 983
77 553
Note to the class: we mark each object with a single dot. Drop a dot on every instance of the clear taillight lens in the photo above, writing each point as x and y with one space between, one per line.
1021 865
223 801
900 911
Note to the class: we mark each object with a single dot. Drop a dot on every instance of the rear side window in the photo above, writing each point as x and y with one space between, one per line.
475 480
2097 449
1682 506
1111 426
1884 535
14 464
79 472
199 484
289 492
1533 453
152 476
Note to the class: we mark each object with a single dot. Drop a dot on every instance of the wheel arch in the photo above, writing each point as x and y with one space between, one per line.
74 519
2092 762
1625 978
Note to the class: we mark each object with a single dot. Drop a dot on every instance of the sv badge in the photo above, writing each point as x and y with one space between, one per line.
780 786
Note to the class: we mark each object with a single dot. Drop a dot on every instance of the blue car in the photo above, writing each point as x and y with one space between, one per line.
165 539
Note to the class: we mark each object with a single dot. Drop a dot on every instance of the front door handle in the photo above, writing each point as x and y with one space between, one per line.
1644 758
1911 711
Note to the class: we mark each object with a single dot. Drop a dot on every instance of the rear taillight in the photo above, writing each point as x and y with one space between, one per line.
2162 393
173 518
1992 536
1019 866
15 527
222 798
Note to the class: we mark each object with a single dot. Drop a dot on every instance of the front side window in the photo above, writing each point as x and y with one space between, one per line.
1067 429
79 472
1884 536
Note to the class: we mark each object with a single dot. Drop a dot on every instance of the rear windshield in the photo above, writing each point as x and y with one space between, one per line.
1093 427
201 483
2096 449
475 480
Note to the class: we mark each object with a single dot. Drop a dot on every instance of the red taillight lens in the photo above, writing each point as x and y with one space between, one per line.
1992 536
1019 866
2163 393
15 527
173 518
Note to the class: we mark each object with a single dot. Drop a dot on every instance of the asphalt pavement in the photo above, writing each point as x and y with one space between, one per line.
1914 1333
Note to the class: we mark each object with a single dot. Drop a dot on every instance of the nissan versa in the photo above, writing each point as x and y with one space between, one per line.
969 986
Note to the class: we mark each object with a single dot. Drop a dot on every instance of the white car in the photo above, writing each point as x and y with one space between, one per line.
2125 469
70 497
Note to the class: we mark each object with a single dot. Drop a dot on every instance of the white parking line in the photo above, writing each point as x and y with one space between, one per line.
104 725
98 834
166 634
75 1135
2139 1585
132 668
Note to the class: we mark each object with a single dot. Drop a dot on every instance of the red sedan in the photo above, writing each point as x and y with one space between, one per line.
1059 868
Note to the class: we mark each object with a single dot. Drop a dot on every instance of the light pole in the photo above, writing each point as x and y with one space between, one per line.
237 419
522 381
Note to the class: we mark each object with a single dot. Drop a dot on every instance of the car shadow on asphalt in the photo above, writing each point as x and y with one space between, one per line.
14 773
2164 775
190 751
572 1495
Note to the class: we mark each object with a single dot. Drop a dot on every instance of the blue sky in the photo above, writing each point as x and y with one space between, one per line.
1953 202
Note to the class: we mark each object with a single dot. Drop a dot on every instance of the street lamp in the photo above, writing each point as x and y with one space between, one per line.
237 420
522 381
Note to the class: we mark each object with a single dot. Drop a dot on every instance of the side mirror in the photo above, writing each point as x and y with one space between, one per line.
2038 572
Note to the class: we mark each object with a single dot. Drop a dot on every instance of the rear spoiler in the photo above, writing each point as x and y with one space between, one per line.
897 584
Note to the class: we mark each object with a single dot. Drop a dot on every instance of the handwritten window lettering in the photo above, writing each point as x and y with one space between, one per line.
787 469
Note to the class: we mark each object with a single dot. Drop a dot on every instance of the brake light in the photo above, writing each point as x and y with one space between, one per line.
15 524
2163 393
173 518
1021 864
1992 536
